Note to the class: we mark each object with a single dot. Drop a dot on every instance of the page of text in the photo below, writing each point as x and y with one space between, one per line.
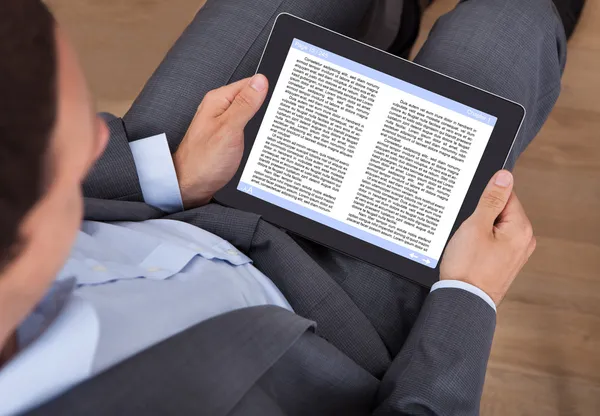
366 153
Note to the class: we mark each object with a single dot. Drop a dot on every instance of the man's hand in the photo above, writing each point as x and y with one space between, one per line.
493 245
212 149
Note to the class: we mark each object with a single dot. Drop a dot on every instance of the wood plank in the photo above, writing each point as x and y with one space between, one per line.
516 393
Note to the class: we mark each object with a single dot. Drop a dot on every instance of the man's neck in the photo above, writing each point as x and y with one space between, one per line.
9 350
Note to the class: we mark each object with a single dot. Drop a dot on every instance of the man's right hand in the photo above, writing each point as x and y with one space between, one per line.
212 149
493 245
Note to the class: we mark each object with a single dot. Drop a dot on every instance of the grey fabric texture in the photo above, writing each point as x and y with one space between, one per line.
516 49
267 361
313 377
223 45
365 316
237 347
112 176
442 366
117 210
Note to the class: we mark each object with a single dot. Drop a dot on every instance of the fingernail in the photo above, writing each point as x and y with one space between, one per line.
258 83
504 179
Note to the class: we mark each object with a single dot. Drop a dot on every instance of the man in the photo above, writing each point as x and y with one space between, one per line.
168 304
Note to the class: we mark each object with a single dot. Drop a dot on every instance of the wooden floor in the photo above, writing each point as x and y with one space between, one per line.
546 355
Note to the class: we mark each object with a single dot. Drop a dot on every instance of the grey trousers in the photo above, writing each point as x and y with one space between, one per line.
514 48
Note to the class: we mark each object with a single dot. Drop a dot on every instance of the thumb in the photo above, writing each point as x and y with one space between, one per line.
247 102
495 197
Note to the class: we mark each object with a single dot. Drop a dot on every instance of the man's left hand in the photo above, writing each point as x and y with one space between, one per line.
212 149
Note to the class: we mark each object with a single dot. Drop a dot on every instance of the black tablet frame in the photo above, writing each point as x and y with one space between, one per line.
510 117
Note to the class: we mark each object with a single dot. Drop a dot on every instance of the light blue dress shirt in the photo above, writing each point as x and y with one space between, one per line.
128 286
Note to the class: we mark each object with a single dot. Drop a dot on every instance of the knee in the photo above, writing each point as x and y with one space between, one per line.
533 17
508 37
520 19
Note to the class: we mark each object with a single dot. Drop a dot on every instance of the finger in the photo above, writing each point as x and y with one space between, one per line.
513 213
247 102
514 223
216 102
494 198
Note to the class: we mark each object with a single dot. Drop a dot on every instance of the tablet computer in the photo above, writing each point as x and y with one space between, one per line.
368 153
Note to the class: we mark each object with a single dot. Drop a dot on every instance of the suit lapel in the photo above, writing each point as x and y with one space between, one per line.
205 370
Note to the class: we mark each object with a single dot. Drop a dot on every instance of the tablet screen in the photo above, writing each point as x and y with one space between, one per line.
365 153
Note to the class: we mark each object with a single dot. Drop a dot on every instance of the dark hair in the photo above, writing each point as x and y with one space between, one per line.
28 107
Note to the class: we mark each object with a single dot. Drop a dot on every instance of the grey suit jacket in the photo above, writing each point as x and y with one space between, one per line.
362 340
269 361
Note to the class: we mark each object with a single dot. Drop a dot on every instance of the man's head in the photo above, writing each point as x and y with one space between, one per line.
49 139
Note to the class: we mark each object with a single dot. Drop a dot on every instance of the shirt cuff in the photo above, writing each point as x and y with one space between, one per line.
156 171
457 284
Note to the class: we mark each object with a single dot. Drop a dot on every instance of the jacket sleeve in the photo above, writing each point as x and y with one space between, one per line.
441 368
114 175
